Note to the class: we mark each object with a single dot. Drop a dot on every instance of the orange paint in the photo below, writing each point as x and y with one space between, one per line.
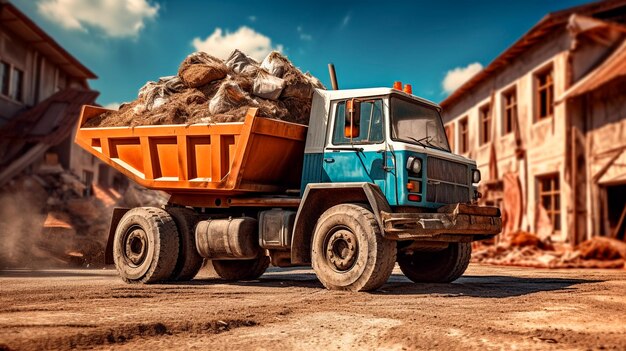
253 156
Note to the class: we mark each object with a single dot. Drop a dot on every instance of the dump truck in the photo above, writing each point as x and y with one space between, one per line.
371 181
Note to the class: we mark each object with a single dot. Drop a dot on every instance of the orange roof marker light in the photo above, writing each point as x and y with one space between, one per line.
408 89
397 85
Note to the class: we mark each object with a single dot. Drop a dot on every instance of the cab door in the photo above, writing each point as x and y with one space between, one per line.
355 150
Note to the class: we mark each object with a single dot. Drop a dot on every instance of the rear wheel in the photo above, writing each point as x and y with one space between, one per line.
436 266
348 250
241 269
189 260
145 246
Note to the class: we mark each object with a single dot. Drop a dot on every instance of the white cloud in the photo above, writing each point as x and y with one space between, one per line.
115 18
112 106
459 75
221 44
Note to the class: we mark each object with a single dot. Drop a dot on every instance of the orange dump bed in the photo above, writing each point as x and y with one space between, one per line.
259 155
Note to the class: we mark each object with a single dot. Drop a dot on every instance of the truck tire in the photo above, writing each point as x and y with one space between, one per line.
436 266
145 246
348 251
189 260
233 270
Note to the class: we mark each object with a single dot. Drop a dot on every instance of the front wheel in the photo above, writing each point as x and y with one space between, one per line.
348 250
436 266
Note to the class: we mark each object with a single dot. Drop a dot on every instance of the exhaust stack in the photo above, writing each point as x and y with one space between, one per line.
333 76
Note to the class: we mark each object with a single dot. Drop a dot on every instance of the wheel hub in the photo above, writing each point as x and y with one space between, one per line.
135 248
341 250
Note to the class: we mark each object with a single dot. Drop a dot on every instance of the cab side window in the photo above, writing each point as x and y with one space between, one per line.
368 129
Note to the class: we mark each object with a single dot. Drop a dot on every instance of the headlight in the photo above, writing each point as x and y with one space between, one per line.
414 164
475 176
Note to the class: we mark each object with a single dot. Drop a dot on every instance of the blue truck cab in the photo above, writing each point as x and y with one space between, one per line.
388 138
378 161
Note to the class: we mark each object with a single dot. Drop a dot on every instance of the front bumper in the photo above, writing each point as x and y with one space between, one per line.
471 222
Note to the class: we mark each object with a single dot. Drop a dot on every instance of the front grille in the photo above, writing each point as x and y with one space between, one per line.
447 171
448 182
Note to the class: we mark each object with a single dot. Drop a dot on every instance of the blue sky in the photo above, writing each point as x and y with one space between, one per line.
371 43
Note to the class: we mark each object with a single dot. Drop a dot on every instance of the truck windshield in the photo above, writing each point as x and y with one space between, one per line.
416 123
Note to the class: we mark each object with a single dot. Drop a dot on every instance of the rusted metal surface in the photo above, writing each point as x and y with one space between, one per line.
459 219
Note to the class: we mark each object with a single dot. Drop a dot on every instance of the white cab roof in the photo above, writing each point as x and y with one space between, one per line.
356 93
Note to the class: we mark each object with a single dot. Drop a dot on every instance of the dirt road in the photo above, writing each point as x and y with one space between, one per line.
489 308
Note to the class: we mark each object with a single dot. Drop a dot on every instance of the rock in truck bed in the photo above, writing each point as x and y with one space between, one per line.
210 90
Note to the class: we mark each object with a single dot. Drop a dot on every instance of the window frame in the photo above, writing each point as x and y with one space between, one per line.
390 120
509 127
464 134
9 90
485 121
547 71
335 109
5 84
553 192
15 90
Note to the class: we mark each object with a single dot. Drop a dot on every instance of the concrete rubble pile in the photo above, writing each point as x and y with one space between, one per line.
209 90
528 250
51 219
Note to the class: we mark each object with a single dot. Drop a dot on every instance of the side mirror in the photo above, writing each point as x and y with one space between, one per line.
353 119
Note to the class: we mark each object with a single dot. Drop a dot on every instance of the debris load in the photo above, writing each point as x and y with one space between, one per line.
209 90
528 250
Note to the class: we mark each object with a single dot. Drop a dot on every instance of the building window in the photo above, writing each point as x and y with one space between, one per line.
509 100
550 198
544 97
463 135
484 117
4 77
17 84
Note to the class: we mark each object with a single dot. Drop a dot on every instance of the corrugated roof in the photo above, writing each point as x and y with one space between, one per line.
17 22
537 33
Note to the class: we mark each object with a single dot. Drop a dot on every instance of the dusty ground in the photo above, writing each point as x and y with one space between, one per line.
489 308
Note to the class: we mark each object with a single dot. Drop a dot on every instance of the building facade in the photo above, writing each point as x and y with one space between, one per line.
42 89
546 123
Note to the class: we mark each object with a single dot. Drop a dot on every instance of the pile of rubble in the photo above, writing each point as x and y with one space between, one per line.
51 219
528 250
209 90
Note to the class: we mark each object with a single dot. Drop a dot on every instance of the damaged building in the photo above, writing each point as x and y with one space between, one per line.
42 89
546 122
46 180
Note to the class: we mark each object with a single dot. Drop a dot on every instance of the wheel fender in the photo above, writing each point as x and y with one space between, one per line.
118 213
319 197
